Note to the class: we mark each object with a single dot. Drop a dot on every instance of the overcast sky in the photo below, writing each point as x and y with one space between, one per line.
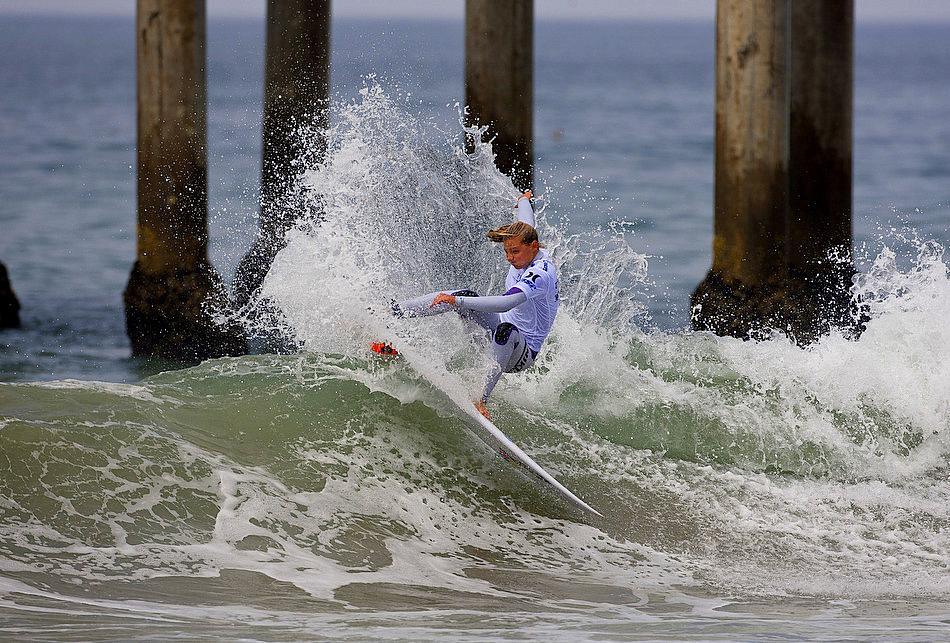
865 10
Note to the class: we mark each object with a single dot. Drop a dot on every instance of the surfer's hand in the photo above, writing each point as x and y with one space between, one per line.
482 408
443 298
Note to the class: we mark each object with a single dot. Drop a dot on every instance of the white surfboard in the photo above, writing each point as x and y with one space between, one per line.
503 446
497 440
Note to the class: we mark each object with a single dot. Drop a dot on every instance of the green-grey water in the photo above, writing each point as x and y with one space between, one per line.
318 496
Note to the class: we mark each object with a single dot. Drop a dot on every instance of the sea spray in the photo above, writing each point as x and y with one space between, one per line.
403 210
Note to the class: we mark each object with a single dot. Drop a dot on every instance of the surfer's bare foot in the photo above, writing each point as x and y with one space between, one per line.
482 408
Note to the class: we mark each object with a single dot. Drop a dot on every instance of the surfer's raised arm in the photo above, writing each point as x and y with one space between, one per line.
523 209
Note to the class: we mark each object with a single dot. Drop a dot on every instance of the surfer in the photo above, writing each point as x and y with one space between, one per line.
518 321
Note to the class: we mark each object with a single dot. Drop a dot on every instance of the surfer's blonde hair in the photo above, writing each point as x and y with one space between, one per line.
517 230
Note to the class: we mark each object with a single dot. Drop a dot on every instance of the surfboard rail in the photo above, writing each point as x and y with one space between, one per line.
508 450
495 438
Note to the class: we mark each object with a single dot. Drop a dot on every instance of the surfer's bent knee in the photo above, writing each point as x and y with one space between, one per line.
503 332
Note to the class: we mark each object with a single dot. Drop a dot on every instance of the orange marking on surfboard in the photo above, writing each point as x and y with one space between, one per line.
383 348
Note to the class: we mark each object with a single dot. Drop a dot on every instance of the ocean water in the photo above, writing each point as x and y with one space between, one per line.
750 490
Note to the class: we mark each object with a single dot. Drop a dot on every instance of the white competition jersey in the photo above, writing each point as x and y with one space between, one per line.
538 282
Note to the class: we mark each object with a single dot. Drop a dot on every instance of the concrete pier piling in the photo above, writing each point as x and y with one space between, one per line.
745 285
820 161
499 81
9 304
776 75
296 93
173 288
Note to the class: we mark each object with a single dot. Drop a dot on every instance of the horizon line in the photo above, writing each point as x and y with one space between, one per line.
216 16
